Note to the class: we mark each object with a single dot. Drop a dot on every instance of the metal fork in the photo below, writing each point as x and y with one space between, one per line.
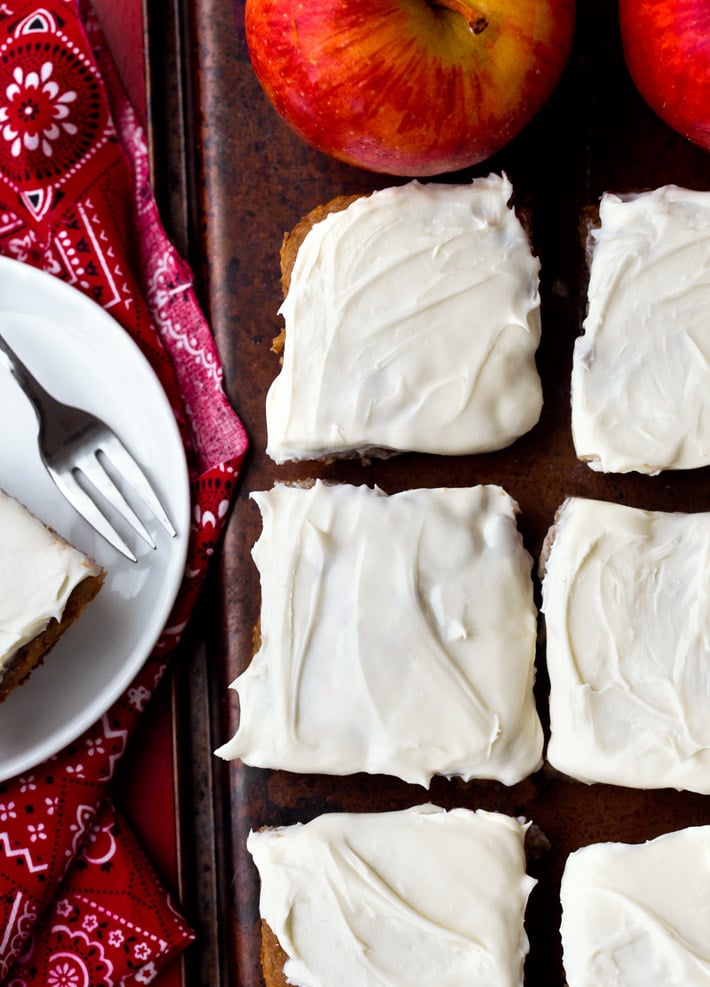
74 443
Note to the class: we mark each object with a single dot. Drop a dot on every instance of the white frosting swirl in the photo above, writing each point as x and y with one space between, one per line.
637 915
641 371
397 636
627 609
420 896
37 577
412 322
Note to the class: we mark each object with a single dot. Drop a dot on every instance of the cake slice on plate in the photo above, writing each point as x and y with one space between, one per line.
45 585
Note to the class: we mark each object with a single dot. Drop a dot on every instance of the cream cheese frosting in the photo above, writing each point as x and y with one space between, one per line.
641 371
412 321
397 636
419 896
637 915
39 571
626 599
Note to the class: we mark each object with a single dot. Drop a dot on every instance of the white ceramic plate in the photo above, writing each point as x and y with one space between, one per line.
84 357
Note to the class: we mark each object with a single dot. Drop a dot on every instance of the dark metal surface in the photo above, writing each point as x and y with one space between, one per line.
234 179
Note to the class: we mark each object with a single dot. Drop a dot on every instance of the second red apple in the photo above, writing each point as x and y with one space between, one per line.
667 51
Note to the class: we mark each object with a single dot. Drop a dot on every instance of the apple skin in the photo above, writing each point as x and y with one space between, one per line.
667 50
409 87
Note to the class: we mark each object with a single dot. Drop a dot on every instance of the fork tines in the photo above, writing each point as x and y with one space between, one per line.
90 466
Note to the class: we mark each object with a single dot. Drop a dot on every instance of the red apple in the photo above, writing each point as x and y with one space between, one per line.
409 87
667 50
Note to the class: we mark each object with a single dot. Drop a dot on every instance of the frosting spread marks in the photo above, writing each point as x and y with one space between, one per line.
397 636
397 898
412 321
626 600
38 573
636 915
641 371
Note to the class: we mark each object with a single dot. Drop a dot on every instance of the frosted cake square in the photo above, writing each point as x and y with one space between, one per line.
635 915
626 599
397 636
641 371
412 318
420 896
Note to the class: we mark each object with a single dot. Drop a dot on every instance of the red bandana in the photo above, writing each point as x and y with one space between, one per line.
75 201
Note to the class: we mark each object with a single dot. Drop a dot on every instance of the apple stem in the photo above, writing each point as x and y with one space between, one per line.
477 22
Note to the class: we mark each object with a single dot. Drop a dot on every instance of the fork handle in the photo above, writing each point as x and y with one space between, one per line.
27 381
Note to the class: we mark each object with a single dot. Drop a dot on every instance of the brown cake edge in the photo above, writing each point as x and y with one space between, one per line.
31 655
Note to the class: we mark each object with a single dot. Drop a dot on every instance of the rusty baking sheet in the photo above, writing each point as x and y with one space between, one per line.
251 180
